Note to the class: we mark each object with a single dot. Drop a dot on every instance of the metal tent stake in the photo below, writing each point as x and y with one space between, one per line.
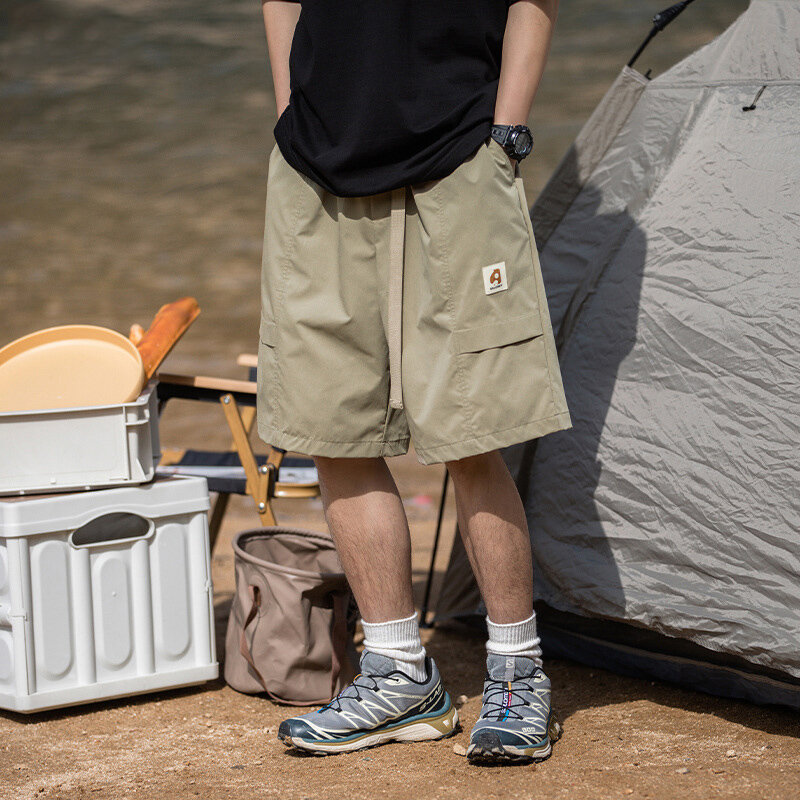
423 617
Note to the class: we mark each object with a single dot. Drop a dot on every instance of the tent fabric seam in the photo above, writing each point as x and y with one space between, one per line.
655 85
636 75
629 72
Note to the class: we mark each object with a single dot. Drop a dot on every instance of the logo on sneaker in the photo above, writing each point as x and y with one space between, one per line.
494 278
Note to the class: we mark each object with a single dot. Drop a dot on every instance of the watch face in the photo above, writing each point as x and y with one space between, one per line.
523 143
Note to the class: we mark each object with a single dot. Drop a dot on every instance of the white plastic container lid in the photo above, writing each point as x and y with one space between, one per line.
37 514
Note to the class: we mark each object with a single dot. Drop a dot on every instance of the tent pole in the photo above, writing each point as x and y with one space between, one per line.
660 21
423 617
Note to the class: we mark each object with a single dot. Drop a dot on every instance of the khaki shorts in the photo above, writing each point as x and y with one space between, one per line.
417 313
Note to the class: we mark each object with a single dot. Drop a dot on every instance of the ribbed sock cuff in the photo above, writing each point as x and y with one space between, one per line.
515 639
399 640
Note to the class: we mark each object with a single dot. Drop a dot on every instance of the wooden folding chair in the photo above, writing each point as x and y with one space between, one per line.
239 470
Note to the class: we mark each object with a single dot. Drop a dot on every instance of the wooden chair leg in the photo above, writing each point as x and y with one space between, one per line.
217 513
221 505
248 418
258 479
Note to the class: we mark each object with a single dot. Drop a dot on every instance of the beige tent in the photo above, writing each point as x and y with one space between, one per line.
665 523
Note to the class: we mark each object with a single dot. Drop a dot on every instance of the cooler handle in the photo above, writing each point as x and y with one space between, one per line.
118 526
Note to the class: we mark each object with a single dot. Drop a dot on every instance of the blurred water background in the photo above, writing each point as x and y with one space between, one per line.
134 137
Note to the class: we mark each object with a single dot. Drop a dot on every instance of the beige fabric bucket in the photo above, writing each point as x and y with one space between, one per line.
290 629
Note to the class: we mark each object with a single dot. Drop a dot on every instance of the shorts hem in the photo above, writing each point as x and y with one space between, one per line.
493 441
319 447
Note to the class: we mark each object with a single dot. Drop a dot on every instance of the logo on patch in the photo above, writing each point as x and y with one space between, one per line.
494 278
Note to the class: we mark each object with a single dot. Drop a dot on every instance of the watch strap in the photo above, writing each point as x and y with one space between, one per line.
500 133
505 136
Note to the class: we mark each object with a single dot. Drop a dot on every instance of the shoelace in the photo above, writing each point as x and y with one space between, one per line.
336 704
508 700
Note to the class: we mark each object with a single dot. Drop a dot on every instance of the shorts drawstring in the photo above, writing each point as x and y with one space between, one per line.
395 322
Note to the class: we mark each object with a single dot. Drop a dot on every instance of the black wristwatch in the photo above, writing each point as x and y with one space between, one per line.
516 140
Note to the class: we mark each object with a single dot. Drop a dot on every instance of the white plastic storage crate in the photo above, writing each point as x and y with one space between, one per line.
105 594
79 448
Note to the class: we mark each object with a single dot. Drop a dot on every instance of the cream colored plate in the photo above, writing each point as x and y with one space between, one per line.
68 367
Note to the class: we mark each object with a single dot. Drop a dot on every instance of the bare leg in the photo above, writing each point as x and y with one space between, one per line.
492 522
369 526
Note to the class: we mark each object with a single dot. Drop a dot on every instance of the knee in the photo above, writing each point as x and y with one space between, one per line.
472 466
338 465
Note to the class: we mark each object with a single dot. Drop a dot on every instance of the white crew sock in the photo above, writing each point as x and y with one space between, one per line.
515 639
399 640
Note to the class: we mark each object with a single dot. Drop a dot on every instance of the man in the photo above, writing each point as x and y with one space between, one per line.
402 299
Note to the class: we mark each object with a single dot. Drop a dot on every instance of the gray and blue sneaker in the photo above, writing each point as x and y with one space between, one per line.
516 722
382 704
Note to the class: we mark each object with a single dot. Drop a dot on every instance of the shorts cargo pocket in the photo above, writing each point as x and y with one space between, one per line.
267 378
501 375
496 334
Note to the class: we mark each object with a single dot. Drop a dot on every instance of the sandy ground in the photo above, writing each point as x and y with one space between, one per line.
623 737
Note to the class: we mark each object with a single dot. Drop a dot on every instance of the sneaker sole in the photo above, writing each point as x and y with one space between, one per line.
419 730
493 751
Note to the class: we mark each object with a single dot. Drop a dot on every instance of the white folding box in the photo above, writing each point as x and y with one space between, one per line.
63 449
105 594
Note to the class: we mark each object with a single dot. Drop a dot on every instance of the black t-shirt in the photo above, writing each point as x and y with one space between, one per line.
385 93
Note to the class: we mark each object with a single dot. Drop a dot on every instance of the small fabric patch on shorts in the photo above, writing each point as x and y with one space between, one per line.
494 278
